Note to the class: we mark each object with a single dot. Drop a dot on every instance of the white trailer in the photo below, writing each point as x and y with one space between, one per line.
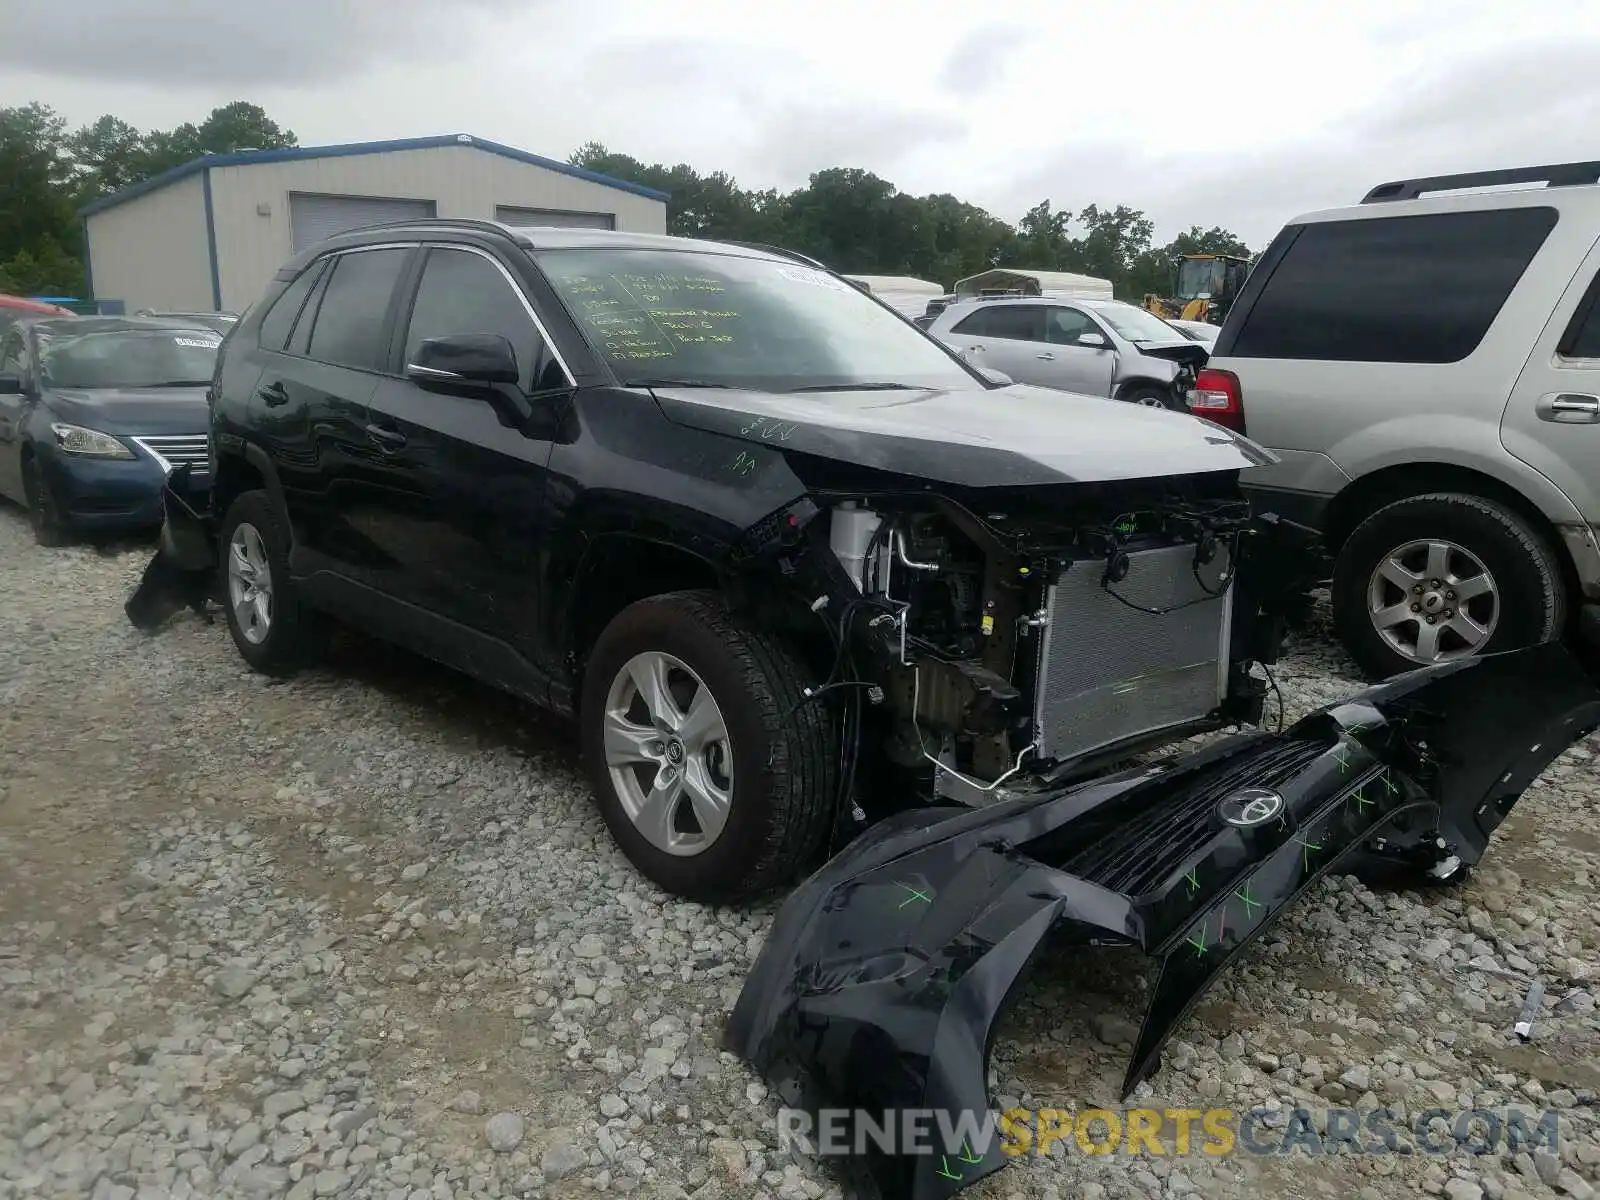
903 293
1017 281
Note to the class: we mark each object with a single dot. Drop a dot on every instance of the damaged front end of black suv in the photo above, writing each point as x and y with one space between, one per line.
880 985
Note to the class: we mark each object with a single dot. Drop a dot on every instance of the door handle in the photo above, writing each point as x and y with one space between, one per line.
1047 357
387 437
274 394
1568 408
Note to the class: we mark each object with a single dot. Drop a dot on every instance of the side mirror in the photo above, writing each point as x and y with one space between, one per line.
998 378
472 360
1096 340
10 385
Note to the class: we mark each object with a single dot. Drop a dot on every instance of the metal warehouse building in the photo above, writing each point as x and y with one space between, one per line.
211 233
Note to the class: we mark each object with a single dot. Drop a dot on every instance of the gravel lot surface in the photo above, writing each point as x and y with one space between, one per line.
361 934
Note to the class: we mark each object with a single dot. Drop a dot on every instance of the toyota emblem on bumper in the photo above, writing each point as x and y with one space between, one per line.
1249 807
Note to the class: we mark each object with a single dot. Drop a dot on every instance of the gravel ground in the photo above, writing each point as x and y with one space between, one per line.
361 934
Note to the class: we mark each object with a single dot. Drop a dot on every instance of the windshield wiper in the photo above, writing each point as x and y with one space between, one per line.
165 383
688 383
858 387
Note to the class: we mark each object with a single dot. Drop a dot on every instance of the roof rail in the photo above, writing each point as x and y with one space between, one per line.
477 223
781 252
1554 175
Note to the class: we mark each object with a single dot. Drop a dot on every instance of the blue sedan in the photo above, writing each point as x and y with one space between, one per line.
94 414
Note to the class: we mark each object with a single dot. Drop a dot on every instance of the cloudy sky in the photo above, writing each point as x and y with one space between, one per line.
1229 112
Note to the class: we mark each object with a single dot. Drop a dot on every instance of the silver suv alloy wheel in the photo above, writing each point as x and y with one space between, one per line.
1433 601
667 753
250 583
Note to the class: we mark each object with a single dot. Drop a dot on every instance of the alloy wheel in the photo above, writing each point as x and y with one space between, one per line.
667 752
1433 601
250 583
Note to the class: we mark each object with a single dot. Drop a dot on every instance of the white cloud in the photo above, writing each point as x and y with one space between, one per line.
1232 113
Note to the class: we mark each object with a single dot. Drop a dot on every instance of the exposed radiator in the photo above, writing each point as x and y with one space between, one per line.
1109 672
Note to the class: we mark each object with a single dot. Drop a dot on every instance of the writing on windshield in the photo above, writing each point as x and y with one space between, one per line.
733 321
638 317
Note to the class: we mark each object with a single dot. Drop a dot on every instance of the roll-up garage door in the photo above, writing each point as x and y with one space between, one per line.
507 215
314 218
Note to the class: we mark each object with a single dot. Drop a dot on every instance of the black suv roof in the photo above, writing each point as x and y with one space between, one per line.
536 238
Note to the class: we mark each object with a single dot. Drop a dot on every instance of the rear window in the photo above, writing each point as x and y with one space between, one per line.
1419 289
1013 322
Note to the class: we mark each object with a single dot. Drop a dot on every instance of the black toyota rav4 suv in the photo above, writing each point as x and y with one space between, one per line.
793 565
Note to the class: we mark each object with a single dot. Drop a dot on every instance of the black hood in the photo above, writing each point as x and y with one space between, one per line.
1010 436
132 411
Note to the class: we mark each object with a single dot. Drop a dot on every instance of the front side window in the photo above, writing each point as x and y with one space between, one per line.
462 292
724 320
1412 289
1067 325
350 319
127 358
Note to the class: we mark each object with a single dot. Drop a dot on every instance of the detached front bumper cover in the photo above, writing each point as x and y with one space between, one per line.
881 982
183 573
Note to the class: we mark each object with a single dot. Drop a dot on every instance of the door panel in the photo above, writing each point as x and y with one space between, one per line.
310 406
1085 369
1552 421
1011 338
453 489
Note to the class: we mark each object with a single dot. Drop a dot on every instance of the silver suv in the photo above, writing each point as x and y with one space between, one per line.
1096 347
1427 369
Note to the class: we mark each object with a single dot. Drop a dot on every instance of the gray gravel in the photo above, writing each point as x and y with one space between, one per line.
362 935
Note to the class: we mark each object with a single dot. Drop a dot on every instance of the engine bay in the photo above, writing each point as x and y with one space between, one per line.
995 648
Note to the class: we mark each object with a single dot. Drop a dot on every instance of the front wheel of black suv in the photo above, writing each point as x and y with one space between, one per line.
1436 578
714 775
273 631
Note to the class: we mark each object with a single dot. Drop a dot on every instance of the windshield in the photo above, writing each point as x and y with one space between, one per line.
128 358
1135 324
1196 275
717 320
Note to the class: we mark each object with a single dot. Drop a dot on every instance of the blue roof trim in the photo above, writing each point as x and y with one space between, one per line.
252 157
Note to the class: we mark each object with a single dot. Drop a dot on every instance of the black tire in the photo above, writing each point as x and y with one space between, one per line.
44 512
785 771
1532 598
1151 396
294 634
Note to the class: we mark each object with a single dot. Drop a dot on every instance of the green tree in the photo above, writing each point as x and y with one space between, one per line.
108 154
1112 243
36 175
228 129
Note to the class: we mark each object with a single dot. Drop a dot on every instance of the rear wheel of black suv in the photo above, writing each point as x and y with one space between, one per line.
274 633
715 777
1441 577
